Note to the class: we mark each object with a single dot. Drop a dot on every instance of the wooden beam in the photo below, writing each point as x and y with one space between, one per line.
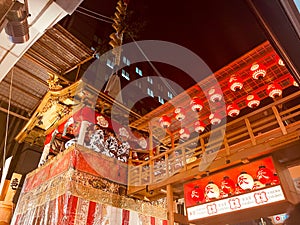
181 219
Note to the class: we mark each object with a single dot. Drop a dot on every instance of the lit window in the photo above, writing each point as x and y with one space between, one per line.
126 61
150 92
138 71
149 79
125 75
138 84
161 100
170 95
110 63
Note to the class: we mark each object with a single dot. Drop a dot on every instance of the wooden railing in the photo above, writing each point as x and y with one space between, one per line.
281 118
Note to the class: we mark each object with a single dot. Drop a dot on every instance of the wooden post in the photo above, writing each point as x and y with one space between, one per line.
227 148
170 204
151 162
250 131
279 120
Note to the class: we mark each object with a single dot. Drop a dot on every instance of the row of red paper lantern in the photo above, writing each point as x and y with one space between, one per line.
215 95
228 187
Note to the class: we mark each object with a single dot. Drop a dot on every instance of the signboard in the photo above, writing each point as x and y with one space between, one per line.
246 186
245 201
279 219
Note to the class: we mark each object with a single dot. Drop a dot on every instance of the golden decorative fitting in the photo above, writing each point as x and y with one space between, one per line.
54 82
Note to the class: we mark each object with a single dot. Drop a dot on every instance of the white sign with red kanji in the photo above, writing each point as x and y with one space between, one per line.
244 201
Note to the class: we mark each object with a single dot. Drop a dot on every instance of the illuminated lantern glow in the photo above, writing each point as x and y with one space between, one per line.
212 191
228 186
215 95
199 126
196 104
279 61
179 114
264 175
257 185
197 194
184 133
275 180
223 195
235 83
258 71
252 101
233 110
245 181
292 80
215 118
165 121
238 190
274 90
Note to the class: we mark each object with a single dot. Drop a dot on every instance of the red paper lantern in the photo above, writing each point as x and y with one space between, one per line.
215 118
197 194
212 190
258 71
196 104
215 95
227 185
292 80
238 190
253 100
184 133
199 126
275 180
264 175
245 181
165 121
279 61
257 185
235 83
274 90
179 114
233 110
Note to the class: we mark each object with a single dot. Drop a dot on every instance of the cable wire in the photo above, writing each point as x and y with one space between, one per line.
7 118
155 69
94 17
97 14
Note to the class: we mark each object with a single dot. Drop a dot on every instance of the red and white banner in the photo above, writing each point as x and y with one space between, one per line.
235 203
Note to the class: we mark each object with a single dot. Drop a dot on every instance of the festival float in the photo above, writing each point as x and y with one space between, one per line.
82 174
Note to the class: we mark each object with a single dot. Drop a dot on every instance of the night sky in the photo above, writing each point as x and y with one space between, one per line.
219 31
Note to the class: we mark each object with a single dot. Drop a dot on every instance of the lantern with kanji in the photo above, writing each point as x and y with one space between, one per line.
212 190
235 83
196 104
257 185
215 118
275 180
274 90
253 100
197 194
165 121
184 133
199 126
215 95
179 113
258 71
228 185
264 175
245 181
238 190
233 110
